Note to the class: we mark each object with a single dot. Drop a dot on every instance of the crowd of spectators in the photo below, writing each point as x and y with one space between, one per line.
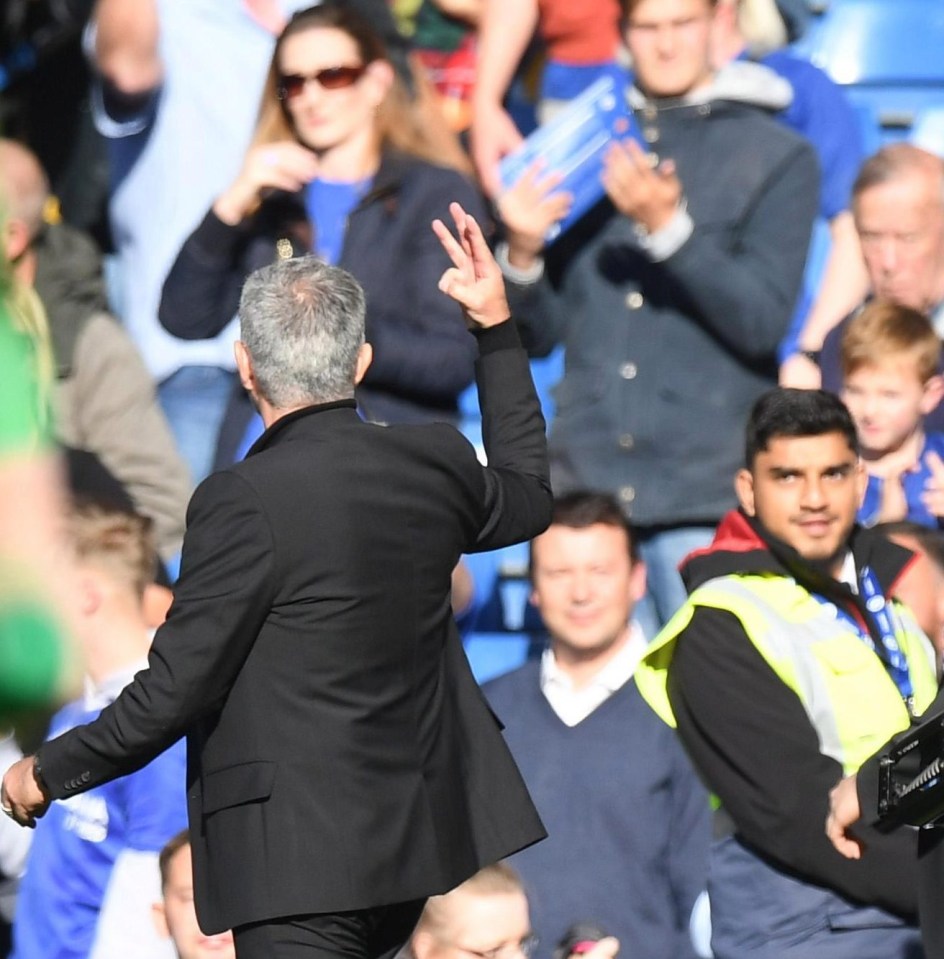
231 133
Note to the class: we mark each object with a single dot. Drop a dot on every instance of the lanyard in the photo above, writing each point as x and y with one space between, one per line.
895 661
891 655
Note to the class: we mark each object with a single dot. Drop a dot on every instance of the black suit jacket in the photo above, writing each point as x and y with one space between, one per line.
340 753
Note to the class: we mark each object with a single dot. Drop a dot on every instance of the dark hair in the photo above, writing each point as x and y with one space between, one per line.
334 15
794 413
172 847
584 508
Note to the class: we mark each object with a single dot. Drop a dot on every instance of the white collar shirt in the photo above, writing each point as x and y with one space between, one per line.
573 705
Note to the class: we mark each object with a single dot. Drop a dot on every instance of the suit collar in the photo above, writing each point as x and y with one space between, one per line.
285 423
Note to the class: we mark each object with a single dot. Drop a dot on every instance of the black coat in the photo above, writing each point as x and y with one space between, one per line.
340 754
423 356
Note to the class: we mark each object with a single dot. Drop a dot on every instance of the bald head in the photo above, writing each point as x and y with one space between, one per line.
24 185
898 203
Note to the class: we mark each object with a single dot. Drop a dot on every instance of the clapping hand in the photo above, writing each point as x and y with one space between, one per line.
649 195
933 495
474 280
528 209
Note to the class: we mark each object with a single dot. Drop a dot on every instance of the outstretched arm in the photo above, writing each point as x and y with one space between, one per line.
517 495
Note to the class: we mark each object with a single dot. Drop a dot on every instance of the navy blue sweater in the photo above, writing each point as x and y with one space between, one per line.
628 822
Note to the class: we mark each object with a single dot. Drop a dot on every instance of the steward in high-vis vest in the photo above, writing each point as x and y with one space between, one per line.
789 665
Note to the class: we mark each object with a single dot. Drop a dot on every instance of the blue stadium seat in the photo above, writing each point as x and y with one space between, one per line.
878 41
928 131
492 654
888 56
500 600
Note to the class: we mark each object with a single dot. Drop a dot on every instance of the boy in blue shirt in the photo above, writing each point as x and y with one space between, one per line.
91 874
890 356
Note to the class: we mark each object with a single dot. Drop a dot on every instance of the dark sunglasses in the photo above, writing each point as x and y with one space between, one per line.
331 78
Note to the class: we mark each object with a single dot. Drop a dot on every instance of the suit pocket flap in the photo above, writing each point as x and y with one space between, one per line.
235 785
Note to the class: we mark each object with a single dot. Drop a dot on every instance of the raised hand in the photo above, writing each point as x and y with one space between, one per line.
933 495
474 280
529 208
285 165
494 135
894 502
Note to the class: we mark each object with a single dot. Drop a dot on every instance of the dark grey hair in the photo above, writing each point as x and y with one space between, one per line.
303 323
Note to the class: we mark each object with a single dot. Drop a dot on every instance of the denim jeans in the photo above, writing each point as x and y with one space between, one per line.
663 549
194 400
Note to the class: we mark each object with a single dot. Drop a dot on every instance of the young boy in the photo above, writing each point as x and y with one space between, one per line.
90 876
175 916
890 356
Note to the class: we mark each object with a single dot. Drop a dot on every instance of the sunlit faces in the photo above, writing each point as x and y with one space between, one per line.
328 118
670 43
494 925
887 400
585 586
176 917
901 229
805 490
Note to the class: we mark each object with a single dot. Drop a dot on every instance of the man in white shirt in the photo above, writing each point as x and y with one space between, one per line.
626 817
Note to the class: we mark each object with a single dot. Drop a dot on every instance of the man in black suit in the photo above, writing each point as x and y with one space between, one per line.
342 764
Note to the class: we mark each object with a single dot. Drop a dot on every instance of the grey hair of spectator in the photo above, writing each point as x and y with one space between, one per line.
895 162
302 322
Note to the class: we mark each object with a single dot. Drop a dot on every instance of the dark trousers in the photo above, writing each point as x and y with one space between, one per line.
377 933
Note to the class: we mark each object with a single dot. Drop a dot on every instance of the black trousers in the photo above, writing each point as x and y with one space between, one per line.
376 933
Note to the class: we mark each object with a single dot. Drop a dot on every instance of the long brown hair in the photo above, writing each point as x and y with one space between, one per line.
407 123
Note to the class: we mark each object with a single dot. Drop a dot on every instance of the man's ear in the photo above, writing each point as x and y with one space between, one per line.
89 593
16 239
365 355
744 488
159 918
247 375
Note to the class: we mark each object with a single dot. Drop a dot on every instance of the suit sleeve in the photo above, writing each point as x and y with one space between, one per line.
224 593
750 738
517 493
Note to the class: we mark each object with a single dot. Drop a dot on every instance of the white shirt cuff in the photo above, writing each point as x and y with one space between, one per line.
662 243
523 277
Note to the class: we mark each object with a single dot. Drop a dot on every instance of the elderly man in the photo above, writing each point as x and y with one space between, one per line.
898 204
342 764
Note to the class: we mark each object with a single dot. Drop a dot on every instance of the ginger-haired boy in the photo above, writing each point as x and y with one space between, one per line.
890 366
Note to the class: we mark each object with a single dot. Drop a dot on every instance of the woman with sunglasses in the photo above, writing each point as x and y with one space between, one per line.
337 167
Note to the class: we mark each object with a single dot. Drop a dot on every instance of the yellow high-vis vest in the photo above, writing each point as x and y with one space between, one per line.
852 703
